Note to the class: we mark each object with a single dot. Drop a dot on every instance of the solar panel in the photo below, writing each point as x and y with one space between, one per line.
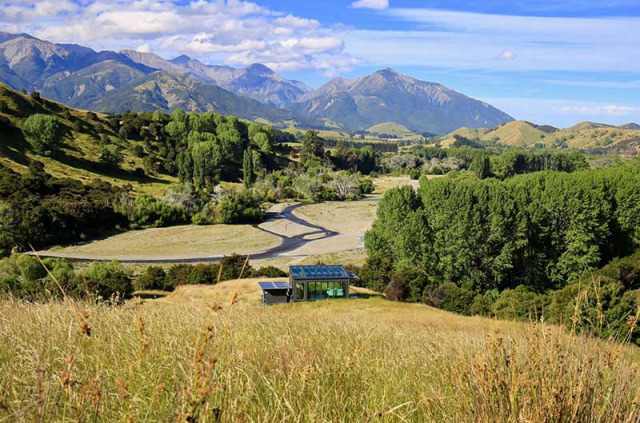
274 285
318 272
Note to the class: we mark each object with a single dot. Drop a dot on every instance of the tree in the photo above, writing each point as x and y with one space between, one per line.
44 133
206 159
312 145
345 186
111 156
481 166
247 168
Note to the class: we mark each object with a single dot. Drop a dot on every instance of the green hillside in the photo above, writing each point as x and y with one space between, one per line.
393 129
79 155
586 136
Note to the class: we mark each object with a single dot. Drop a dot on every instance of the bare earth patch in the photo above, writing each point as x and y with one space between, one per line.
174 243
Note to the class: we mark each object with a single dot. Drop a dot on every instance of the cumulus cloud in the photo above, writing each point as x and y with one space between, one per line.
371 4
228 31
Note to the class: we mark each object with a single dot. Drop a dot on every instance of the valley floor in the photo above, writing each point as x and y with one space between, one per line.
213 354
327 232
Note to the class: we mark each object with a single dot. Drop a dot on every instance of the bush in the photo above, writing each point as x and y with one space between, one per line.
153 278
268 272
44 133
481 306
177 275
396 290
413 281
241 206
520 303
448 296
110 155
366 186
149 212
109 281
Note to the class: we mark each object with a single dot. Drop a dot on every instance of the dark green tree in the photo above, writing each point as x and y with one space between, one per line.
247 168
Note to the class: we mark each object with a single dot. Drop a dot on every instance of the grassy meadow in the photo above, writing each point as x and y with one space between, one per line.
218 356
174 243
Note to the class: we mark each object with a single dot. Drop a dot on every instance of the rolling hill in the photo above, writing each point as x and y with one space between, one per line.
591 136
392 129
387 96
78 158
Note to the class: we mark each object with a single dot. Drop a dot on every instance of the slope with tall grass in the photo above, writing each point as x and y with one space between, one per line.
358 360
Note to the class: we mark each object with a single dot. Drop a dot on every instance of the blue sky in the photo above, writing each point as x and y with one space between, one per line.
549 61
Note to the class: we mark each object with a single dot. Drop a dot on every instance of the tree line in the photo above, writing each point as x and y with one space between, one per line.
536 232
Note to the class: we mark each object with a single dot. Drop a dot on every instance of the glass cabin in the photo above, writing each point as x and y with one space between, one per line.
310 283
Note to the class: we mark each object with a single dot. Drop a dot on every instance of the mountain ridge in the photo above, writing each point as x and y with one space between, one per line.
104 81
387 95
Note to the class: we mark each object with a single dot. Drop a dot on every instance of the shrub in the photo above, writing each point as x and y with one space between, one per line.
241 206
520 303
203 274
4 107
149 212
366 186
481 306
268 272
109 281
448 296
396 289
44 133
414 281
153 278
177 275
110 155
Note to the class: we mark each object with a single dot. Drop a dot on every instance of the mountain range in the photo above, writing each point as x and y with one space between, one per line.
113 82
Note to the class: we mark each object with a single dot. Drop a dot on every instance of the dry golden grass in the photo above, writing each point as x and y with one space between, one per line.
385 183
245 290
348 217
174 243
330 361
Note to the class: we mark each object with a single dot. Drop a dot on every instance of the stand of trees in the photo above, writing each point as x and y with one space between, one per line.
523 237
485 163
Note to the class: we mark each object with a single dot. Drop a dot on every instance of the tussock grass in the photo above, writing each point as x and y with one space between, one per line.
342 360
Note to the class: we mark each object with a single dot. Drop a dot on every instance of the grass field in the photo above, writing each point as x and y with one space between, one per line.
174 243
348 217
359 360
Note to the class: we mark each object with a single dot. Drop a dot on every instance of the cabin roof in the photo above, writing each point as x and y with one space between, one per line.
265 286
318 272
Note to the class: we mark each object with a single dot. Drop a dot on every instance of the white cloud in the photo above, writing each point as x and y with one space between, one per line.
507 55
229 31
371 4
144 48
